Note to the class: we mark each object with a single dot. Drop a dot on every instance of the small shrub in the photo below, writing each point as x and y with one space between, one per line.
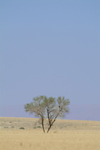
12 127
21 128
38 126
10 122
34 127
5 127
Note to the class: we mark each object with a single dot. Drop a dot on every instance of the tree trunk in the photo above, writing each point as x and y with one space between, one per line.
49 129
43 125
52 123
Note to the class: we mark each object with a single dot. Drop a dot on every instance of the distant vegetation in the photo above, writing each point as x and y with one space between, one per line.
21 128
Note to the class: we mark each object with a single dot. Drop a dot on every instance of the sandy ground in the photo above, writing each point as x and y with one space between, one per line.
65 135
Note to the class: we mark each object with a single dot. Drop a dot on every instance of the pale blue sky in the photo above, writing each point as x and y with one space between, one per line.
52 48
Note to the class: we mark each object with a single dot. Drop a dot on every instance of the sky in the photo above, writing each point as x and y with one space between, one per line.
52 48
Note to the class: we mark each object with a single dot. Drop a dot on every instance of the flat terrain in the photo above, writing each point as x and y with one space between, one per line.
64 135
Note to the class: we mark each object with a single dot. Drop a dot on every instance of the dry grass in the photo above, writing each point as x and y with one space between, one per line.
65 135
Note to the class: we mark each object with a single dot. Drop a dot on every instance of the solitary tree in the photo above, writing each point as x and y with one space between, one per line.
49 108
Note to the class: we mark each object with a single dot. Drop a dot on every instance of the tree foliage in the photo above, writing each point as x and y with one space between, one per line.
48 108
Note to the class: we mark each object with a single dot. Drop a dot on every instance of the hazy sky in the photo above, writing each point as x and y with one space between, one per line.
52 48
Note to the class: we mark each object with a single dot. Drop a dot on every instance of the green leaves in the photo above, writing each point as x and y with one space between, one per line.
63 101
59 100
29 107
41 103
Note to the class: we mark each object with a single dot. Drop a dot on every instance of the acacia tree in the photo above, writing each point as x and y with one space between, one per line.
49 108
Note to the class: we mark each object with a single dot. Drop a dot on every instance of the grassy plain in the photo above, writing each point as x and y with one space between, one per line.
65 135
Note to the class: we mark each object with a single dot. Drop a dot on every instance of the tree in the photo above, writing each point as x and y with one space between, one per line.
49 108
